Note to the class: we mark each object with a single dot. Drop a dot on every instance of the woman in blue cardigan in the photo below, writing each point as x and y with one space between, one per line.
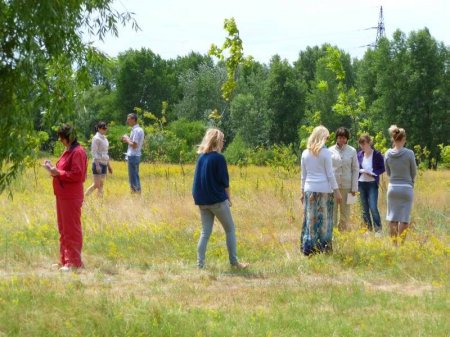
371 166
211 192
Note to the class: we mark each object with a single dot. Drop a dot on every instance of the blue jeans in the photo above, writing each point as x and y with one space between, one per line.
133 173
369 199
222 211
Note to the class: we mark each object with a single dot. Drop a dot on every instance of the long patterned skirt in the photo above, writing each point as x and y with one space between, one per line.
317 231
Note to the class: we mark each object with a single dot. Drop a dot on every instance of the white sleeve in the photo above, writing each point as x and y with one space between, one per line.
94 149
303 168
330 172
355 173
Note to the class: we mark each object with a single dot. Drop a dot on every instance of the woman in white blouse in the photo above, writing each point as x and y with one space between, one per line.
99 150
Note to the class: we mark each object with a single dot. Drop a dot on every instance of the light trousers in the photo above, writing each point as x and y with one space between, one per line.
341 214
222 211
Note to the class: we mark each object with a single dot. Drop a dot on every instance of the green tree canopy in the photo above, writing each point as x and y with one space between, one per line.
43 63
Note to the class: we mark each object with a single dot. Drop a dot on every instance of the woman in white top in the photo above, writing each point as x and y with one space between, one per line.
99 150
318 187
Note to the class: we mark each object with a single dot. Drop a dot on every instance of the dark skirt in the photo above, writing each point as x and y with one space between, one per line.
317 231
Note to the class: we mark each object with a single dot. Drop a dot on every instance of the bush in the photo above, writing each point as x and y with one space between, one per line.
191 132
117 148
445 155
285 161
165 146
237 152
260 156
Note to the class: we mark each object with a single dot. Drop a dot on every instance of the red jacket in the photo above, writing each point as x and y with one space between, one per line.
72 167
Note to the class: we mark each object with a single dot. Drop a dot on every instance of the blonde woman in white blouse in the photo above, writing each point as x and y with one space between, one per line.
99 150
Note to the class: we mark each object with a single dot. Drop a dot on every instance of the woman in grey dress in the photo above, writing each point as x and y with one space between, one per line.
400 166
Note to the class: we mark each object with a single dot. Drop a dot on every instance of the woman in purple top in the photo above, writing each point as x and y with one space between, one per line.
211 192
371 166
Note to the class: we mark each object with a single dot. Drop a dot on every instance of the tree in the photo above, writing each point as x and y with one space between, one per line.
201 92
233 47
348 103
328 72
428 105
250 116
250 120
144 80
43 57
285 97
410 87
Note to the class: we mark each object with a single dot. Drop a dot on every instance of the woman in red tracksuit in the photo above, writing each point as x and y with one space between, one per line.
68 178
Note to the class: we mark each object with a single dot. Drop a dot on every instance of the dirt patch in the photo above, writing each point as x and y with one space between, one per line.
185 283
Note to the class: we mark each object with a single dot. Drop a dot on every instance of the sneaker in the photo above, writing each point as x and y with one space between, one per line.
378 235
240 265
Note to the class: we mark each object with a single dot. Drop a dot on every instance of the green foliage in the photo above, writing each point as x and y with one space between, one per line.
260 156
117 148
237 152
190 131
144 80
406 82
152 119
380 143
285 98
43 67
35 147
201 93
326 71
45 80
165 146
58 149
233 47
422 156
348 102
306 129
284 161
250 120
445 155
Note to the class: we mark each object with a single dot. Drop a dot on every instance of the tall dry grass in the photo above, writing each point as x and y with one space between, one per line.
141 279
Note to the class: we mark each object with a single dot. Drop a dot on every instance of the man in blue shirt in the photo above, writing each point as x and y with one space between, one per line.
134 152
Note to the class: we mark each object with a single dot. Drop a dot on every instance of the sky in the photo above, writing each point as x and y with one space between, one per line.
174 28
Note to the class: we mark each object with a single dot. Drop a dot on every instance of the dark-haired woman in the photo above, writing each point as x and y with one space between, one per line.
69 175
346 172
371 166
100 164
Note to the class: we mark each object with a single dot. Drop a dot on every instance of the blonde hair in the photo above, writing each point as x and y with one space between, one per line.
397 134
317 139
212 141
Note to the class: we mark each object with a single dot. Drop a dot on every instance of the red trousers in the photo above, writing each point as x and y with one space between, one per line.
70 233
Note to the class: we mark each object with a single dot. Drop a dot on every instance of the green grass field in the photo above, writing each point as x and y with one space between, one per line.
141 277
